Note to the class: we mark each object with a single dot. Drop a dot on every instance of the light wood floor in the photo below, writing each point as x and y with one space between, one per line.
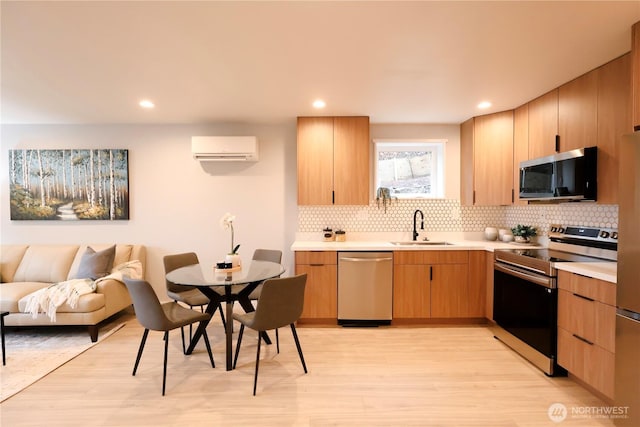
414 376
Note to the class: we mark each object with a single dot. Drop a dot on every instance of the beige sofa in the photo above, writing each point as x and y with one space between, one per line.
27 268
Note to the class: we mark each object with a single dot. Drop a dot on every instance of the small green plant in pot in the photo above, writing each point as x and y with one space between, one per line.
524 233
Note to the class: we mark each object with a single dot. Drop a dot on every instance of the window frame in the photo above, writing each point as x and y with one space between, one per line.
437 145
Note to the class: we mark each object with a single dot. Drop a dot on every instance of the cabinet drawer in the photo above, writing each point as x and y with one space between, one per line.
427 257
317 257
589 319
588 287
591 363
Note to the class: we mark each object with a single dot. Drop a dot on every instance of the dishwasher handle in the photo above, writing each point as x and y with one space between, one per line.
351 259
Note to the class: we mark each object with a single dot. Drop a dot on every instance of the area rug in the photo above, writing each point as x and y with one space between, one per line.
34 352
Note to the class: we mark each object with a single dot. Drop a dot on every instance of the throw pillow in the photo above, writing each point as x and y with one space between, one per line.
94 265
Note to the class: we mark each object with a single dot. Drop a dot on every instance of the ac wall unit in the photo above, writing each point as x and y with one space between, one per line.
225 148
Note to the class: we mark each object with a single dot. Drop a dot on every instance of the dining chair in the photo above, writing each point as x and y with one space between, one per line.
188 295
271 255
280 304
155 316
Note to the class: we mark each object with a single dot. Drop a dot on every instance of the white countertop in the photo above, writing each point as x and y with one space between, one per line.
606 271
383 242
379 245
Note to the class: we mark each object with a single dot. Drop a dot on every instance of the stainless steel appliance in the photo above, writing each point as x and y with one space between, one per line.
525 296
365 288
564 176
627 375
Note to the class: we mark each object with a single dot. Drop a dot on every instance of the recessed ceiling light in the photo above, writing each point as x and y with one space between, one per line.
484 104
145 103
319 103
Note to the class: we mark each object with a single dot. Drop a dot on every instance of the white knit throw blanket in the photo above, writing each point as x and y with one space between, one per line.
47 300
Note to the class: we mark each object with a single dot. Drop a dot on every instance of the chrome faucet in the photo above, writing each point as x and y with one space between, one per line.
415 217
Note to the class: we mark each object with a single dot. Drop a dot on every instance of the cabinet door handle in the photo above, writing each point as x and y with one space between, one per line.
316 265
557 143
583 297
431 273
583 339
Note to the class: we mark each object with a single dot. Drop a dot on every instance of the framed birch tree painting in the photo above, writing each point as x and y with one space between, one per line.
72 184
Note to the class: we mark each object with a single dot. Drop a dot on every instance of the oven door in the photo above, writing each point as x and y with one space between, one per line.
525 305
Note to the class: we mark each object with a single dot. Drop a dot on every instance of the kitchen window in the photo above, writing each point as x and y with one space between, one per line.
410 169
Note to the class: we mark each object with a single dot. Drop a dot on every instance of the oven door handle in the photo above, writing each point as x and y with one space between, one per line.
545 281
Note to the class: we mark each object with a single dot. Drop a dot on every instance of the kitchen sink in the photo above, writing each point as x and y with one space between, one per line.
421 243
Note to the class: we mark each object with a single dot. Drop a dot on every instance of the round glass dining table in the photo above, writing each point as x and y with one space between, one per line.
238 285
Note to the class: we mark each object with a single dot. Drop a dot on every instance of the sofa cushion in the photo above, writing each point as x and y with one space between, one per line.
86 304
123 254
10 257
11 293
46 263
94 265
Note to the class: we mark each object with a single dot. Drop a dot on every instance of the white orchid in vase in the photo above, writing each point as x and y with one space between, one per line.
226 222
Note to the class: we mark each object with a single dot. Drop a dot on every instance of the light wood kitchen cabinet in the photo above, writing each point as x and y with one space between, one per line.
614 120
476 300
431 284
543 125
520 148
333 160
586 330
489 260
578 112
487 160
321 290
411 291
635 60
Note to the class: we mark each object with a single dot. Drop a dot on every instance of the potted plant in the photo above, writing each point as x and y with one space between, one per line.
524 233
384 194
232 257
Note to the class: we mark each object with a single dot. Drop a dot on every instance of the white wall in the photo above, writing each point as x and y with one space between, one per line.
175 201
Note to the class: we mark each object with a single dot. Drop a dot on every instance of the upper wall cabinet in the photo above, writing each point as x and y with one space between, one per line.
543 125
333 160
520 147
486 151
564 118
578 112
614 120
635 53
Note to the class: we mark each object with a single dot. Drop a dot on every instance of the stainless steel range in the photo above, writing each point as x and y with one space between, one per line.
525 295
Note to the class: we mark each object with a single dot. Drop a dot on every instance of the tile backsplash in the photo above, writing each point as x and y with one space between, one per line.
448 215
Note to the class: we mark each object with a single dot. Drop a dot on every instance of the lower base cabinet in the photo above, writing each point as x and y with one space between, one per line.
435 284
321 290
586 330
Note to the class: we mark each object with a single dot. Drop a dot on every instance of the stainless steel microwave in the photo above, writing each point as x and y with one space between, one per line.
568 176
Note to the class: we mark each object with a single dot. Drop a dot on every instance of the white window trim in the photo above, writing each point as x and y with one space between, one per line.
438 187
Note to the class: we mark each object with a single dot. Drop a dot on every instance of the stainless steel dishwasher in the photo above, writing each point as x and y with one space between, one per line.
365 288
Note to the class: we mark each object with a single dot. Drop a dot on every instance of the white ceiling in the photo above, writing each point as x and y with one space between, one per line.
264 62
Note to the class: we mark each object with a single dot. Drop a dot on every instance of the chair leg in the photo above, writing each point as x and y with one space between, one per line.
184 348
235 359
295 337
166 350
277 342
208 345
142 342
255 378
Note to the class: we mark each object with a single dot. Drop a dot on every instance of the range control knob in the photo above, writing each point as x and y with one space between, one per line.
604 234
560 230
554 229
614 235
